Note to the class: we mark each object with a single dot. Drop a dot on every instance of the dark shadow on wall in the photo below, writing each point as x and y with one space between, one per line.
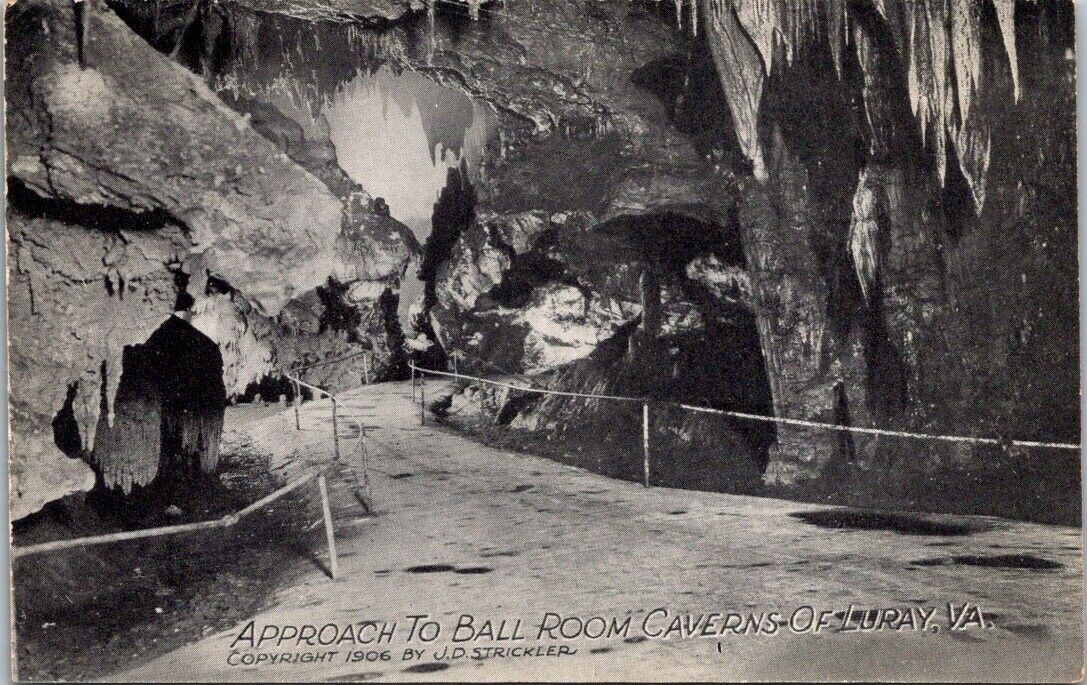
454 212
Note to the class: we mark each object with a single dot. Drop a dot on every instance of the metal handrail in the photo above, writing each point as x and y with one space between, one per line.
769 419
646 428
232 519
224 522
293 375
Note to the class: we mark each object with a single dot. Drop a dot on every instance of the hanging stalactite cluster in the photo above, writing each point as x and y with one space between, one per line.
937 41
934 46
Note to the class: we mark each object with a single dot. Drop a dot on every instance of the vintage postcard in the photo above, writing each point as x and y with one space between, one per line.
565 340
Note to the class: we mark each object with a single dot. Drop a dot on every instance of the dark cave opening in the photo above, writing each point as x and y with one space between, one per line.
526 272
716 363
269 388
167 420
531 269
670 239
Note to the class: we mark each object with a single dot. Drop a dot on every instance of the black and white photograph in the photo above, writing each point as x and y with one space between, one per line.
543 340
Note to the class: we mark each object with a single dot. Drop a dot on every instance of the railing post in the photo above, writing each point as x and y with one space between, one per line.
645 441
335 432
297 401
333 562
366 367
413 383
422 399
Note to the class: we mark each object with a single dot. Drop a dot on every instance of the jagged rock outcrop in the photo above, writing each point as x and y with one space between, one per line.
525 293
507 294
540 97
354 310
131 188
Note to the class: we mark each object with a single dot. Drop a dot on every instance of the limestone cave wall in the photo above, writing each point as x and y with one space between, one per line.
135 192
851 211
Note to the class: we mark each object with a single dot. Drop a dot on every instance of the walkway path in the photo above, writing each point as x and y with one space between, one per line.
521 536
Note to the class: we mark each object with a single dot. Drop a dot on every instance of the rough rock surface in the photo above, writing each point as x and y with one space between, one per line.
906 259
909 256
96 137
866 255
544 101
937 328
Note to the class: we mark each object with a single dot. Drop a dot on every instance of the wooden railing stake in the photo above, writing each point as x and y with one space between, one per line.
335 432
333 562
297 401
645 442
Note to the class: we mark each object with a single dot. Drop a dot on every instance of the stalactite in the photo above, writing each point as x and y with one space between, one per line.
836 32
966 50
1005 15
972 146
939 41
741 72
878 208
893 13
432 41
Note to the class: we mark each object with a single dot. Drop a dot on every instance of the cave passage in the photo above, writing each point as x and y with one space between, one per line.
399 136
396 133
167 413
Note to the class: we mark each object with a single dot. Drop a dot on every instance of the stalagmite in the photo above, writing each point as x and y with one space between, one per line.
127 450
168 410
189 372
